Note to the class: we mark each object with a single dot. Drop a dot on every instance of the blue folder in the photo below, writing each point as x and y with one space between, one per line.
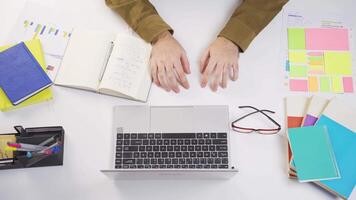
21 76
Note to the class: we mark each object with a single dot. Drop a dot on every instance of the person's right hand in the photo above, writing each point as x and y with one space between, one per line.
169 63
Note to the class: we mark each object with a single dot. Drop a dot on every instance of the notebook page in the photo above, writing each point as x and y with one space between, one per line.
84 59
127 67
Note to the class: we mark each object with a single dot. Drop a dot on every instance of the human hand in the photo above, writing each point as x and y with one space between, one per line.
218 62
169 63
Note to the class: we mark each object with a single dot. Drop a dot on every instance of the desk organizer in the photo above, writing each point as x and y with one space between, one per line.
37 135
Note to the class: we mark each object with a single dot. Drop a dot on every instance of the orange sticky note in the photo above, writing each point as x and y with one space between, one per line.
316 62
313 84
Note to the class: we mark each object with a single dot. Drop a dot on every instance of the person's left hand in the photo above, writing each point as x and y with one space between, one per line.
218 62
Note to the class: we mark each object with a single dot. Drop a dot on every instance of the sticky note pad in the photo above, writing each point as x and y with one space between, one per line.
313 84
298 71
316 62
316 58
324 84
348 84
296 38
315 53
298 85
313 154
297 57
338 63
326 39
337 85
316 69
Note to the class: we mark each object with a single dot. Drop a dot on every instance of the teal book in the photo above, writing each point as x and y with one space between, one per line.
313 154
340 118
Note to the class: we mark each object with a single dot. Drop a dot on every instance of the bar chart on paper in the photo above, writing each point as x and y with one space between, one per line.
319 60
54 40
38 30
38 21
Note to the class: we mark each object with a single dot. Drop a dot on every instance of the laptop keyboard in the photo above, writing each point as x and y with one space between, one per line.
171 151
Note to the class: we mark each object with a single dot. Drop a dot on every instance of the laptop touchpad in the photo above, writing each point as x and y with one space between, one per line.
172 119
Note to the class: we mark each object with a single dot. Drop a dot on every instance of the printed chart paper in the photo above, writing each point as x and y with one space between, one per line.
319 60
37 21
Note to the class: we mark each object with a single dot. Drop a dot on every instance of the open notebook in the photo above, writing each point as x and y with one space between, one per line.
107 63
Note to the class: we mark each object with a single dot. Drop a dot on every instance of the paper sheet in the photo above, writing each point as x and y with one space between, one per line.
322 44
36 21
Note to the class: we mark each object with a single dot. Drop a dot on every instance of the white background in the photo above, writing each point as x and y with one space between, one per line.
87 117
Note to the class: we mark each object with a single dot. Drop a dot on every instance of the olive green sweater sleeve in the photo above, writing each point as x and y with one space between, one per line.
141 16
249 19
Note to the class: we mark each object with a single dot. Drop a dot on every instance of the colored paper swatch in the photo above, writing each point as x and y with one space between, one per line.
298 71
313 84
297 57
316 62
315 53
316 69
348 84
337 85
315 58
296 38
324 84
298 85
338 63
313 154
326 39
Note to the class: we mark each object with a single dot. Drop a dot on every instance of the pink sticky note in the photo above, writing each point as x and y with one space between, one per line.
348 84
326 39
298 85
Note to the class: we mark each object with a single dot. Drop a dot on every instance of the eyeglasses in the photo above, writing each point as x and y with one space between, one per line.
265 131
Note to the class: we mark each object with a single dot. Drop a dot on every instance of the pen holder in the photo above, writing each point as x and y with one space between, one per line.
52 136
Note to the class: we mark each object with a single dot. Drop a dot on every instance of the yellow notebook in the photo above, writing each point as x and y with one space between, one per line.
36 49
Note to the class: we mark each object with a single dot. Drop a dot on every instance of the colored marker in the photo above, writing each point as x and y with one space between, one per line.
8 148
29 147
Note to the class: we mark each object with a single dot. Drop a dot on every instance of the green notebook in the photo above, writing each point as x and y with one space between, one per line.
313 154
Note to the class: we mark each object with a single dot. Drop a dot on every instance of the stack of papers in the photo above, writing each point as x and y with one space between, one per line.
322 150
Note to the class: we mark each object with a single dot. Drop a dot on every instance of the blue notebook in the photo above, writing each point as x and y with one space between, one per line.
313 154
21 76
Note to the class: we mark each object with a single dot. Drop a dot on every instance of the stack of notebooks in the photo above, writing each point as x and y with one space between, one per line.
322 143
23 79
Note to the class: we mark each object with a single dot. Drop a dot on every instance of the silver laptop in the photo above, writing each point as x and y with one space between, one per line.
180 142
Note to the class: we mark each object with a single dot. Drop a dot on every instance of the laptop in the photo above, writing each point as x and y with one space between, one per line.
171 142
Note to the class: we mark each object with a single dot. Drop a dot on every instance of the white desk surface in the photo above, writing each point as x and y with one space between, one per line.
87 117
